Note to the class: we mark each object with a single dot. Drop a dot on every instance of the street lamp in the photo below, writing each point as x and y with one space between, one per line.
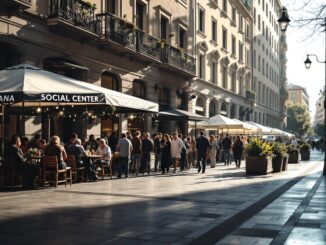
308 65
284 20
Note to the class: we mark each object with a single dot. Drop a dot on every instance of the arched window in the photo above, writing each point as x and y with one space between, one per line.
232 111
223 109
212 109
110 81
200 106
138 89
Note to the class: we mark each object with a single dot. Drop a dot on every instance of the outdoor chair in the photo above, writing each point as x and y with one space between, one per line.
77 172
10 172
51 172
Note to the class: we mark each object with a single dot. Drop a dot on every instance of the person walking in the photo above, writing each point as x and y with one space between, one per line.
191 151
212 150
202 145
226 145
147 148
157 151
166 154
124 148
176 148
238 148
136 152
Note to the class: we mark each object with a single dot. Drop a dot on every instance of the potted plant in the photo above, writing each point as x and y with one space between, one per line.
293 154
285 161
259 157
279 150
305 151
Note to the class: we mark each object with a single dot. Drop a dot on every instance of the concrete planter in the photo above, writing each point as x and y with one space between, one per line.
277 164
285 163
259 165
305 155
294 157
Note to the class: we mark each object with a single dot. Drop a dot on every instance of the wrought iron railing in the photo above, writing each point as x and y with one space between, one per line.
177 57
77 12
116 29
148 44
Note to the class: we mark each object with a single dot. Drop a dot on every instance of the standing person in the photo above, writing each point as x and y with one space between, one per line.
226 145
183 160
34 143
238 147
112 142
202 145
176 148
147 148
54 148
212 150
136 152
166 154
124 148
129 136
191 151
157 151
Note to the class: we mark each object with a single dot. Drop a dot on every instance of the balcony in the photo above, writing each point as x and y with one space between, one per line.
74 18
14 4
148 46
250 96
116 33
174 59
284 94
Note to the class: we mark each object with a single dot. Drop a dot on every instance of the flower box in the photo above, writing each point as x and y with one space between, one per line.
277 164
259 165
293 157
305 155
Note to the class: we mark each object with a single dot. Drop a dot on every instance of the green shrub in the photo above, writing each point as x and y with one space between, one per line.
259 148
279 149
305 147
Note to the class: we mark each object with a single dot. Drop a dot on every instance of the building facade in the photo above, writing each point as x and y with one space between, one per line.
297 95
222 33
269 64
320 111
139 47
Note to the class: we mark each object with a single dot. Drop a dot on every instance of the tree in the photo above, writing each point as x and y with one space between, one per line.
298 120
319 130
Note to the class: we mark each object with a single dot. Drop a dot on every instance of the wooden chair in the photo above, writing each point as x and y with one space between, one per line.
50 169
77 172
10 172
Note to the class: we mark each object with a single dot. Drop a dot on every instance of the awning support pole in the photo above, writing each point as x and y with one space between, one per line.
3 130
195 129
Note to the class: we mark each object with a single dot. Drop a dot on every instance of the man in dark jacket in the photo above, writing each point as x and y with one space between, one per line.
27 171
147 148
226 145
202 145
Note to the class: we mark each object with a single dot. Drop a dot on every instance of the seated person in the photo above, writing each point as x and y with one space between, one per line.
54 148
34 143
28 171
91 144
105 151
77 150
42 145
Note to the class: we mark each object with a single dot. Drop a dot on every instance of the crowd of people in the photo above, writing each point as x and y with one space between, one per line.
133 152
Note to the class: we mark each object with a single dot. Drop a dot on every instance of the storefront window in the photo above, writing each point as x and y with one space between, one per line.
212 109
163 96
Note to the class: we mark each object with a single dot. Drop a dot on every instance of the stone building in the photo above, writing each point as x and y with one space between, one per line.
319 111
297 95
222 45
269 63
138 47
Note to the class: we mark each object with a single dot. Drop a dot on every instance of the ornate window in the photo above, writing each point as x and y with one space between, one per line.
200 106
138 89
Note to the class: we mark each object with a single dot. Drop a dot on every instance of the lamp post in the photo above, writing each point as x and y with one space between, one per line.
308 63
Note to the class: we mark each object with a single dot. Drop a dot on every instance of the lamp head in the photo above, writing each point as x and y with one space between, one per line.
307 63
284 20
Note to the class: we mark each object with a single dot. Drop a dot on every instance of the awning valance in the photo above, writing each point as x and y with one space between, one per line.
177 114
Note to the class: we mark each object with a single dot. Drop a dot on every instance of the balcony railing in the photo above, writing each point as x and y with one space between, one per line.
116 29
148 44
17 3
250 96
77 12
176 57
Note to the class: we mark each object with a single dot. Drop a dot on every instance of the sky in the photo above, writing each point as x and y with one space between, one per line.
301 43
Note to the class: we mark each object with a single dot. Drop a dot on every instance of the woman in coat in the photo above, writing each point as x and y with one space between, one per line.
166 154
212 150
238 147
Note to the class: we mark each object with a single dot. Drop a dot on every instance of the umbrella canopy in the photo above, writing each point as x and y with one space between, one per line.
248 128
263 130
34 86
220 122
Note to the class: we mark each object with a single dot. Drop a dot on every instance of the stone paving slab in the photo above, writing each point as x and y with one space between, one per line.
170 209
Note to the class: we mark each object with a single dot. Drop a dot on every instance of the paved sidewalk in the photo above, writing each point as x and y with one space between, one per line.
172 209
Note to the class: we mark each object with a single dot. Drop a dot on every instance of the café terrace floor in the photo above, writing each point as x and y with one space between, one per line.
223 206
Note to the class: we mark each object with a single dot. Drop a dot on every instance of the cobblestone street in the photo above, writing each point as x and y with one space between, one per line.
223 206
